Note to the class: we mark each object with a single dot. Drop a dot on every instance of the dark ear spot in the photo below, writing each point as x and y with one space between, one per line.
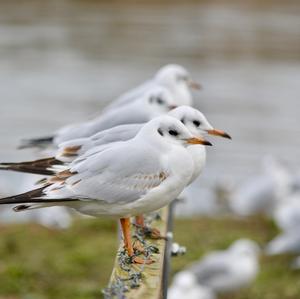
183 120
173 132
160 132
197 123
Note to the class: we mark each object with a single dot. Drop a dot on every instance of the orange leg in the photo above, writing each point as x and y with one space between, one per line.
125 224
139 221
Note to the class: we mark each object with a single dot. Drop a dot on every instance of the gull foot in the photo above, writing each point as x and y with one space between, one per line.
152 233
141 261
138 247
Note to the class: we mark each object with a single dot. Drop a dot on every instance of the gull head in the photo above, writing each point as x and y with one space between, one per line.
158 101
245 247
168 130
178 81
196 122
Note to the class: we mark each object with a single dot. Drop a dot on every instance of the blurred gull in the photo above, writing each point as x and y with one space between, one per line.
173 77
137 106
130 178
185 285
261 193
193 120
154 102
226 270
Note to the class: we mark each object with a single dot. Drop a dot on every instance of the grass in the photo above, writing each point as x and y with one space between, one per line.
37 263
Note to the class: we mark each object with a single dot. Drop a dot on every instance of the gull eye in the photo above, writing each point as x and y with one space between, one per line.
160 101
173 132
197 123
183 120
179 78
160 132
182 78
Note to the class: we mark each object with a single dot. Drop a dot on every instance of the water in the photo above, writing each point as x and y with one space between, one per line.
61 61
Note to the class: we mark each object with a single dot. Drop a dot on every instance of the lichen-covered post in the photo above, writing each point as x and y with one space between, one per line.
134 281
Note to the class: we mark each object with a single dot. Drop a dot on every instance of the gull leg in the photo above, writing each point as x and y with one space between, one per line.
139 221
125 224
152 233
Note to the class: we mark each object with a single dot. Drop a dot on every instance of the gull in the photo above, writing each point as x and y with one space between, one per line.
185 285
152 103
129 178
173 77
260 194
193 120
227 270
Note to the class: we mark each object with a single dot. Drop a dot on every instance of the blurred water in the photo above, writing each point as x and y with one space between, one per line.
61 61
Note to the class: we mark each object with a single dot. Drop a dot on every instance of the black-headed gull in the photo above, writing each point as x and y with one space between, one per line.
130 178
193 119
173 77
152 103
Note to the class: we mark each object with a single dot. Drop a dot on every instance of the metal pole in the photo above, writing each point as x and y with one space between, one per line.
167 259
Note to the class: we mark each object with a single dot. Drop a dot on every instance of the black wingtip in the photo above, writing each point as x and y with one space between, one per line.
20 208
36 142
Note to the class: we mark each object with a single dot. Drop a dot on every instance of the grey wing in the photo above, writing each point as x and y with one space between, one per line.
92 151
118 133
111 177
73 131
129 96
69 151
126 114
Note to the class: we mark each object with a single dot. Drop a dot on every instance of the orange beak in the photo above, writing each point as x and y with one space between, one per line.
194 85
216 132
198 140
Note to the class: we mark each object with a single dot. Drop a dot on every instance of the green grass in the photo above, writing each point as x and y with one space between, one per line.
37 263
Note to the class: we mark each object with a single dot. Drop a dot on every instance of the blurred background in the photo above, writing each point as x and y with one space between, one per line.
63 61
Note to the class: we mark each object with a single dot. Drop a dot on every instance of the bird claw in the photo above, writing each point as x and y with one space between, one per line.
141 261
138 247
153 233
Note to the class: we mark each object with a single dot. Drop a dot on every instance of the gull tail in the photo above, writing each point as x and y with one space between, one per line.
41 166
32 197
36 142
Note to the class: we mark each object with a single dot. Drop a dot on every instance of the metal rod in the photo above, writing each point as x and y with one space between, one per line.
167 257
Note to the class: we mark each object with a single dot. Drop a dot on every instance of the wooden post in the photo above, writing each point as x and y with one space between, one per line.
134 281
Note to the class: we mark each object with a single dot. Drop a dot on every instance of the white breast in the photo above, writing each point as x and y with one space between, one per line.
198 154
